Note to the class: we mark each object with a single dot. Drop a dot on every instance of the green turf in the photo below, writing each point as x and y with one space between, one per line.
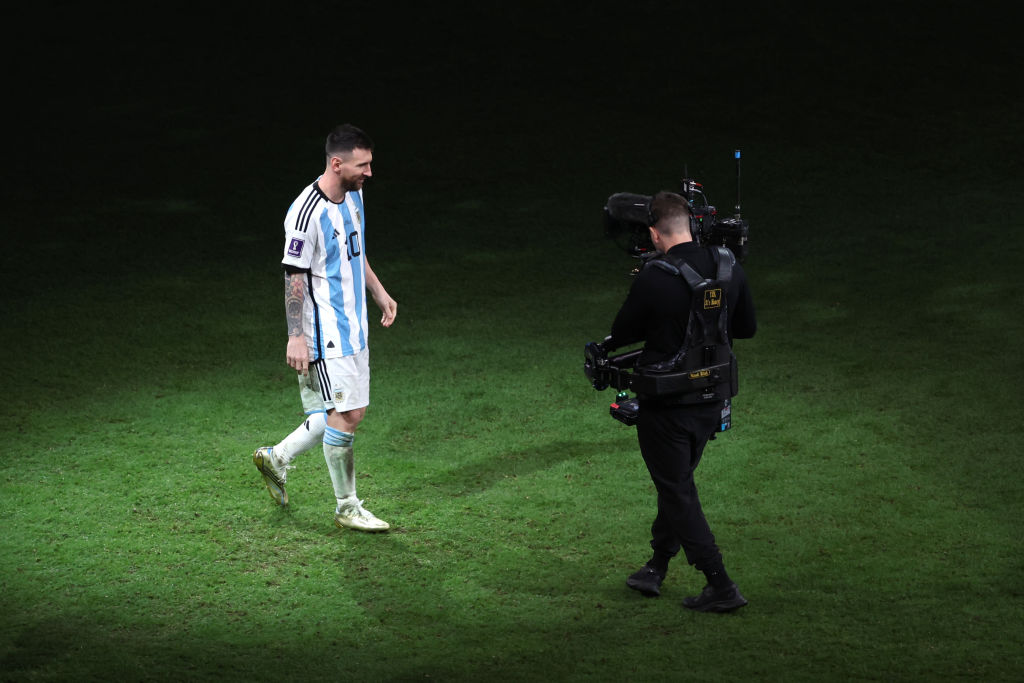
867 500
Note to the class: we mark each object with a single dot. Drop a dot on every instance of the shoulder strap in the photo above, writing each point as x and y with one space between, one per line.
725 260
667 263
677 266
692 277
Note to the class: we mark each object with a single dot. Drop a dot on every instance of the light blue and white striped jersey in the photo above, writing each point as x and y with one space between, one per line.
326 240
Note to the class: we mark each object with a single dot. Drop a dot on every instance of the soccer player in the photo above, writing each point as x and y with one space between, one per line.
327 276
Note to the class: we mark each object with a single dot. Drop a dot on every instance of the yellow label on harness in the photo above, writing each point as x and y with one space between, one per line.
700 373
712 298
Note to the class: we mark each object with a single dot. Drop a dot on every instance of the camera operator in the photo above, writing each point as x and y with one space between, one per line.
672 436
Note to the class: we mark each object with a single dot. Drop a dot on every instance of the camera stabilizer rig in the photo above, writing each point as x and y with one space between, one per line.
704 377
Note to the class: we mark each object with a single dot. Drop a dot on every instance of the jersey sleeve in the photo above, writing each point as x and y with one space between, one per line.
300 236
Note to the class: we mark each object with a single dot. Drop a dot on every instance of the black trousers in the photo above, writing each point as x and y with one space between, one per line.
672 440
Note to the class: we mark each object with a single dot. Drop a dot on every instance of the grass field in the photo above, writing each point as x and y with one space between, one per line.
867 500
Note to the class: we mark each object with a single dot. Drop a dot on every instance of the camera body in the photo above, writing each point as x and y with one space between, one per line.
627 217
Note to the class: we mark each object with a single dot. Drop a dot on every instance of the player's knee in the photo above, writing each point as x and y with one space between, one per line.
346 421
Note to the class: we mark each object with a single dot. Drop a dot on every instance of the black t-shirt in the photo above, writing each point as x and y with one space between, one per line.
657 307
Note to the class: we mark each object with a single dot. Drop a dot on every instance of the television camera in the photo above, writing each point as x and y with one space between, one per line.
627 217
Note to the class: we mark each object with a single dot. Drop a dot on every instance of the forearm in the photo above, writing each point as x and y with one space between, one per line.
388 306
628 326
622 334
294 300
373 282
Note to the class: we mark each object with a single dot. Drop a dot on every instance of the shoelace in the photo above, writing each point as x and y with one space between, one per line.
354 510
275 465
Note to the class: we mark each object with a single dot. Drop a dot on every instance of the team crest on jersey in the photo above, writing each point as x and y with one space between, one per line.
295 247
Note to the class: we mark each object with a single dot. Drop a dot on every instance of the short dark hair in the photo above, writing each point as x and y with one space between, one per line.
345 138
670 212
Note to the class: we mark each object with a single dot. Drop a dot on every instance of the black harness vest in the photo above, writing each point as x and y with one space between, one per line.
704 369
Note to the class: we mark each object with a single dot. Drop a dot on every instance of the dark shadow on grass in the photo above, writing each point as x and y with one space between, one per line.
491 469
37 646
416 644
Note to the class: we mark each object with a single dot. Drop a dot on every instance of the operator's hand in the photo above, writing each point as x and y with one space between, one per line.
388 306
297 354
595 351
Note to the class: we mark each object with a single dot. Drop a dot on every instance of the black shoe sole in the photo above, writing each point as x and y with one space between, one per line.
718 606
645 589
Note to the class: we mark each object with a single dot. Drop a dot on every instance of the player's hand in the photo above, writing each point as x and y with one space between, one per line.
389 308
297 354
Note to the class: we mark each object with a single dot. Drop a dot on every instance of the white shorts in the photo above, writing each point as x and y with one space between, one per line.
340 384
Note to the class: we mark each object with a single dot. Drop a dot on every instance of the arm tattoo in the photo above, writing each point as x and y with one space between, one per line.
294 297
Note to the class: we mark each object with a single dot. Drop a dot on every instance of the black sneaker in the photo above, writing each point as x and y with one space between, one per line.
716 600
647 580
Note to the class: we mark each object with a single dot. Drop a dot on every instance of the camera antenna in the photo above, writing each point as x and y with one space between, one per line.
737 155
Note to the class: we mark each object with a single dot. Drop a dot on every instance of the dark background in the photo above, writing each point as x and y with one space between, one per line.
230 105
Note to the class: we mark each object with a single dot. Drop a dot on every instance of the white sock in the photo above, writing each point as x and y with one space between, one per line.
305 436
341 464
